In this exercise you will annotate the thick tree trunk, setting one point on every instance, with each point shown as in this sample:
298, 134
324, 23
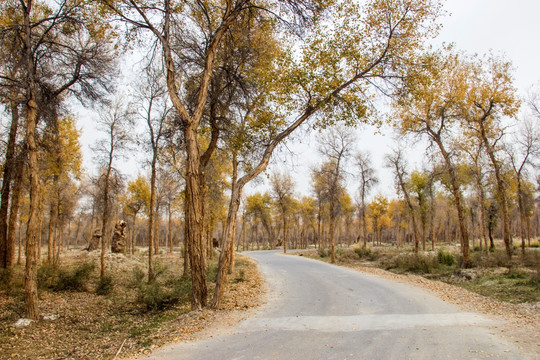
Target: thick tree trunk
30, 277
194, 221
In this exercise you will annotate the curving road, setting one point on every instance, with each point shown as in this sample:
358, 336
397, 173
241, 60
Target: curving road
321, 311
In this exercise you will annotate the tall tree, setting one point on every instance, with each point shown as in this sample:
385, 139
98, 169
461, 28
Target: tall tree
283, 189
490, 97
335, 146
116, 123
367, 180
397, 163
154, 110
526, 148
60, 51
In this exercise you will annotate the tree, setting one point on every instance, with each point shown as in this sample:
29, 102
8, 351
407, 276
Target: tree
377, 210
62, 165
526, 148
80, 68
367, 180
138, 198
116, 123
154, 110
491, 97
335, 145
391, 32
418, 183
396, 162
283, 188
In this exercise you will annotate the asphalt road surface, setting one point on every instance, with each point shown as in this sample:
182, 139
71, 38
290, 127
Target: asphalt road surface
320, 311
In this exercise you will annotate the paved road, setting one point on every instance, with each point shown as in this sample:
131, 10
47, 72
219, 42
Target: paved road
320, 311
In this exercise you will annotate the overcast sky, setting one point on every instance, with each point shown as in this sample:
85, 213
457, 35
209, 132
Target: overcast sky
475, 26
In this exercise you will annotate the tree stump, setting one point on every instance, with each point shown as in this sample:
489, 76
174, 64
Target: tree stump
95, 241
118, 243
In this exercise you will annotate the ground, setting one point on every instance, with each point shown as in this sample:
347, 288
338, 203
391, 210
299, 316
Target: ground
125, 322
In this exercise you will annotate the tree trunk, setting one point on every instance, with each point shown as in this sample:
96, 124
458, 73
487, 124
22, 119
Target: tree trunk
151, 226
7, 248
30, 277
194, 221
221, 279
170, 230
105, 219
501, 191
456, 192
14, 210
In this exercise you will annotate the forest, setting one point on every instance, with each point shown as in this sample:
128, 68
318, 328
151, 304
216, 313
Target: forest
202, 93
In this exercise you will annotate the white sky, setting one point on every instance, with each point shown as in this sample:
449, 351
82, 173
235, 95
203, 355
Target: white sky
475, 26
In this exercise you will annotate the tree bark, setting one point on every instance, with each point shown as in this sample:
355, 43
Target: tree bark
194, 221
151, 226
7, 249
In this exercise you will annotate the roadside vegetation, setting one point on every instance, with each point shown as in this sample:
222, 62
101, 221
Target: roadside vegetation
491, 274
89, 317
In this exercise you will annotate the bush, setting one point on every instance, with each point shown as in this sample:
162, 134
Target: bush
211, 271
363, 252
158, 295
497, 259
241, 276
8, 281
535, 280
445, 258
413, 263
75, 280
47, 276
105, 285
323, 252
515, 274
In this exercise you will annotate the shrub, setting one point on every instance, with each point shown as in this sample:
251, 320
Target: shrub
211, 271
323, 252
241, 276
363, 252
153, 296
535, 280
445, 258
8, 281
515, 274
497, 259
158, 295
75, 280
105, 285
47, 276
413, 263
